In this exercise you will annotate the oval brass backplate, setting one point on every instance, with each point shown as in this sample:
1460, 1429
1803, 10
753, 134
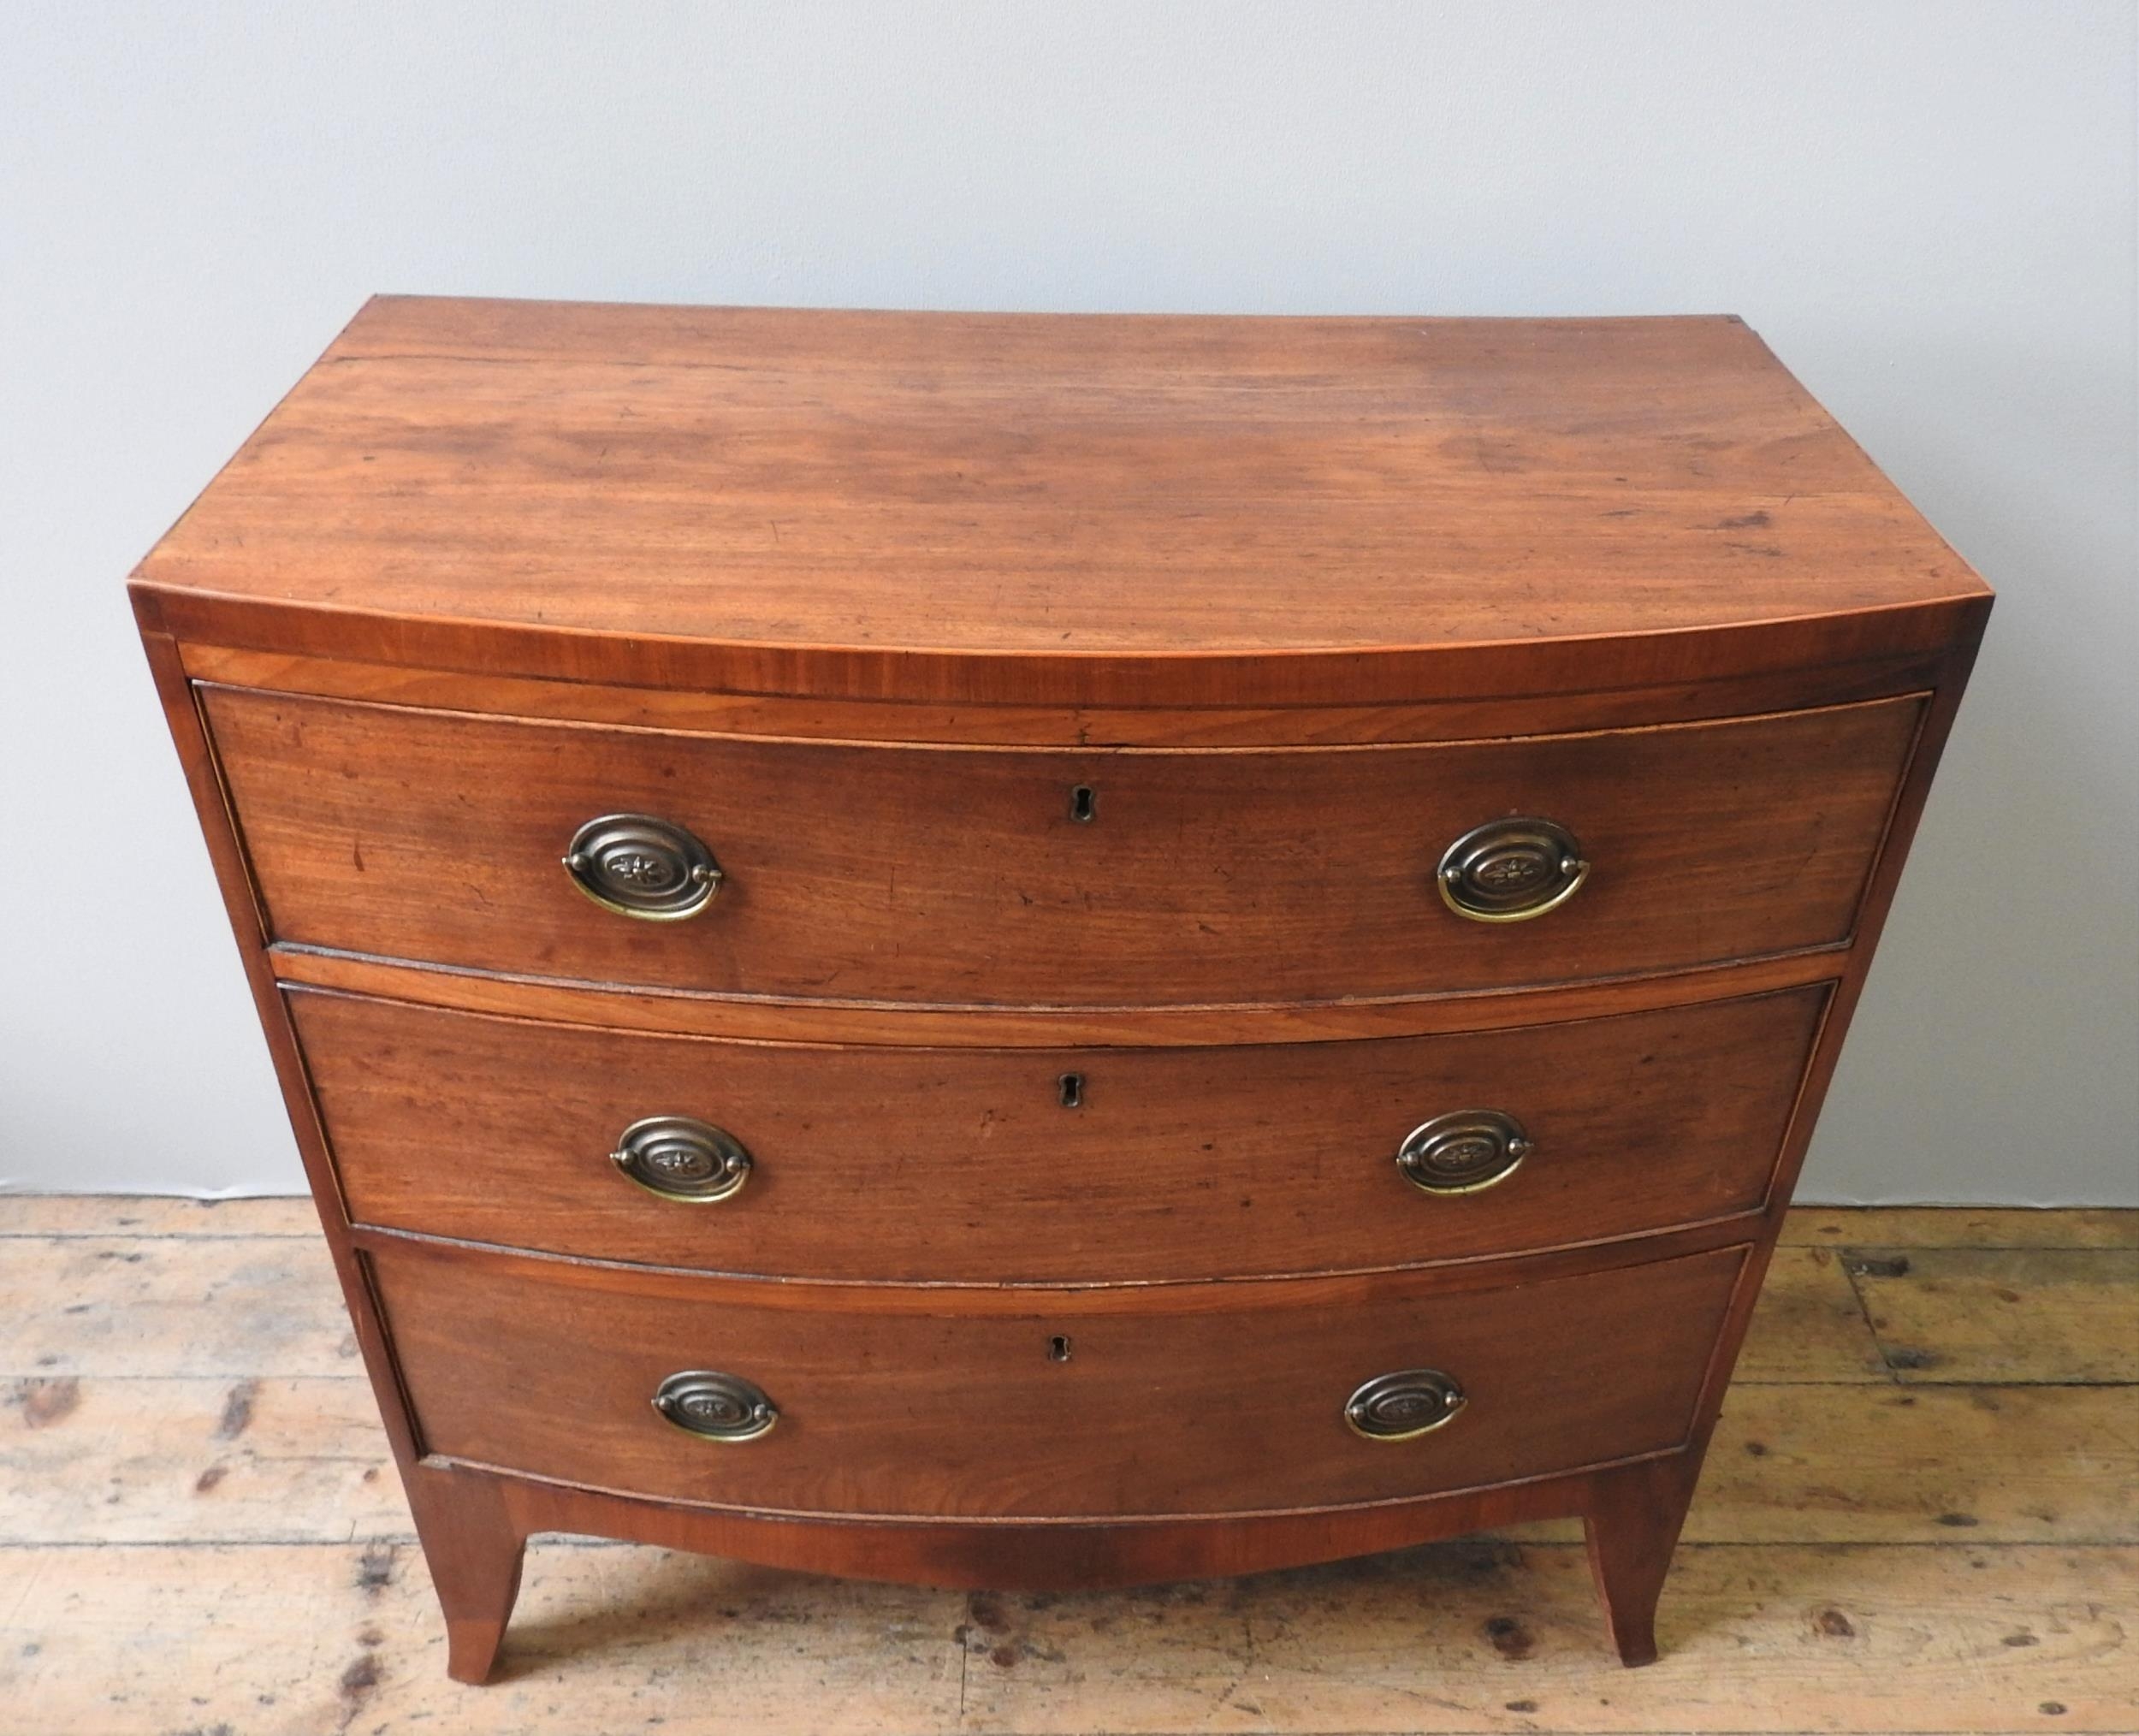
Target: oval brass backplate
715, 1406
1402, 1406
638, 865
1465, 1151
682, 1159
1511, 870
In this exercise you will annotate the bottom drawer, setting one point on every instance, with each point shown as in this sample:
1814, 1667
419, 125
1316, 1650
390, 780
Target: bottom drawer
897, 1400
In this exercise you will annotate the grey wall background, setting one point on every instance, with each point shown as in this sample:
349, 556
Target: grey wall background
1929, 210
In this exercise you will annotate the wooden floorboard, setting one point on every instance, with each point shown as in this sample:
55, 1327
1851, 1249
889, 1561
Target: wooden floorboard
117, 1214
1475, 1636
1958, 1226
140, 1459
1918, 1515
244, 1308
1479, 1637
2002, 1314
1810, 1323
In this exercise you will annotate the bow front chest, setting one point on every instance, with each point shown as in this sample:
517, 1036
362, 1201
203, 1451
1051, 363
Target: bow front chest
1036, 952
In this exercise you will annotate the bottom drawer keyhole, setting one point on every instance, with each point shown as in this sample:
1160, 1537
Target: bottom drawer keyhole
1058, 1347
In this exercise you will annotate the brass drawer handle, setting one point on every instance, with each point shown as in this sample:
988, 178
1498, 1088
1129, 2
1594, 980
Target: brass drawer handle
1511, 870
716, 1406
679, 1159
639, 865
1465, 1151
1400, 1406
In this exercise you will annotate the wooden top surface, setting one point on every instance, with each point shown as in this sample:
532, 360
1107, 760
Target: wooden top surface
979, 505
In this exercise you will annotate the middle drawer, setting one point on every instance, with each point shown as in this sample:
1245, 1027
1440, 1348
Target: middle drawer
1051, 1166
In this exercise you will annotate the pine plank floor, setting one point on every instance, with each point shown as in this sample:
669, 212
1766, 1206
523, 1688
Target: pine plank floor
1920, 1514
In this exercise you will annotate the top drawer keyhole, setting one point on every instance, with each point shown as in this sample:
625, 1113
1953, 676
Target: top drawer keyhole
1083, 804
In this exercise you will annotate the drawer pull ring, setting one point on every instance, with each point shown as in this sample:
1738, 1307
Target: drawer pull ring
1402, 1406
1511, 870
639, 865
1463, 1152
716, 1406
679, 1159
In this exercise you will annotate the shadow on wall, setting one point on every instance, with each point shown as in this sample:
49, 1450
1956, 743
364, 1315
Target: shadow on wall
1993, 1057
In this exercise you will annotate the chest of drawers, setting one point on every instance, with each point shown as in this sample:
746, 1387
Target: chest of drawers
1040, 952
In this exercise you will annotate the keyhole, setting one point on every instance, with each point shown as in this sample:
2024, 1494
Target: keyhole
1082, 804
1058, 1347
1072, 1090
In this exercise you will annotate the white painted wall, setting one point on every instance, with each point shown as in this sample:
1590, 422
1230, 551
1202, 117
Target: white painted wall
1928, 209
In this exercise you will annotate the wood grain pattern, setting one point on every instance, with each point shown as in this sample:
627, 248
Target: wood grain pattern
1960, 1226
791, 716
1460, 1638
89, 1304
1813, 1324
1055, 1555
214, 1308
1171, 1408
1366, 579
226, 855
1475, 1639
867, 873
1848, 1463
146, 1459
270, 1641
1052, 509
158, 1215
1803, 1226
962, 1165
772, 1019
288, 1596
476, 1550
1970, 1314
1631, 1531
150, 1458
1089, 1301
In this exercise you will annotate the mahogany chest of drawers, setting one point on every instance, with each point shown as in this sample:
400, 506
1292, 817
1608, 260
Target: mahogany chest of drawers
1038, 951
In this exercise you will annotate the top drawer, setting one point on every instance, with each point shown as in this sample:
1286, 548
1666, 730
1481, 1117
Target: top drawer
1061, 877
